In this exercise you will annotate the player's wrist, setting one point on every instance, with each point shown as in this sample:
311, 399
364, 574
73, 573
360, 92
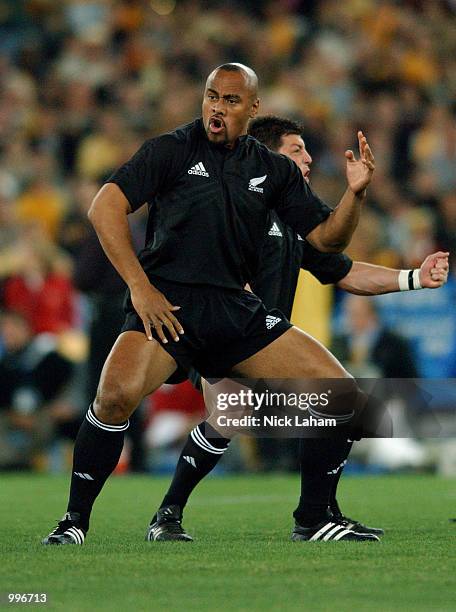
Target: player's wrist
137, 281
360, 193
409, 280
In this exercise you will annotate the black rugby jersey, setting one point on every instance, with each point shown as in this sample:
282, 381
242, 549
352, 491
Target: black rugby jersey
283, 254
209, 205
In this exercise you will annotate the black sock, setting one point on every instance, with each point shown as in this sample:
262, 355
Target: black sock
319, 461
201, 453
346, 446
96, 453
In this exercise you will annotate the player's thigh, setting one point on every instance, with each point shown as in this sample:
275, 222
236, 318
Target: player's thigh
134, 368
294, 354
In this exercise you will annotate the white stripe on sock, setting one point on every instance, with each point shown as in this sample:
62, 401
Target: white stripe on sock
340, 418
94, 421
203, 443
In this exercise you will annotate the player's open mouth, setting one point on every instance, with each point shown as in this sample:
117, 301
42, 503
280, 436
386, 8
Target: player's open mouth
216, 125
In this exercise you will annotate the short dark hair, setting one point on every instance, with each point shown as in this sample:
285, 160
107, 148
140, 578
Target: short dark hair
270, 129
249, 74
230, 67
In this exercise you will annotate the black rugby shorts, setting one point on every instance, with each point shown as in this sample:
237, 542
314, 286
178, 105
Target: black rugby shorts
222, 327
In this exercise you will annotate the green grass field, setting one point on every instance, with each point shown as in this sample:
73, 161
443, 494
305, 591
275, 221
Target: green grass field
242, 558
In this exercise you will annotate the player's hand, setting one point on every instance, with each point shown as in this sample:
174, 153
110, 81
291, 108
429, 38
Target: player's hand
434, 270
359, 172
155, 311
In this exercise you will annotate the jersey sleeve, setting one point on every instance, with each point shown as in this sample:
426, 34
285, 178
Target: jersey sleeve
326, 267
147, 173
298, 206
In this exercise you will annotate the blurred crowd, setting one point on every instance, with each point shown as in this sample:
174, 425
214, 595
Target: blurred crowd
84, 82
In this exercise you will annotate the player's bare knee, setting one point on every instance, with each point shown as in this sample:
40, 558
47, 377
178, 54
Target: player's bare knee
115, 403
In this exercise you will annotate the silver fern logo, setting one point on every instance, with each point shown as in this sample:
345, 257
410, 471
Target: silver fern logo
254, 182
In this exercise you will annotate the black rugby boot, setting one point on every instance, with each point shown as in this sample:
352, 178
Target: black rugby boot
166, 526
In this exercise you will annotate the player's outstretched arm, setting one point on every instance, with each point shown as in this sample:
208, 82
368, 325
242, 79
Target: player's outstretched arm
108, 214
334, 234
368, 279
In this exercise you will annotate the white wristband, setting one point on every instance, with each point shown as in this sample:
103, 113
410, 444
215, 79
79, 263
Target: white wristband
403, 280
409, 280
416, 279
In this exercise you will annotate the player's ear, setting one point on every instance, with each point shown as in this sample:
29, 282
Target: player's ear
254, 108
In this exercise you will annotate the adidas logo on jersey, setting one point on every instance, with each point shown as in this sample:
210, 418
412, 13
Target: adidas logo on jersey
198, 169
190, 460
271, 321
254, 182
275, 230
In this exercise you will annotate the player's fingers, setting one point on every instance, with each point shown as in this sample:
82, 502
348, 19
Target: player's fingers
158, 325
169, 326
363, 146
171, 307
176, 323
439, 278
350, 155
368, 153
147, 325
172, 318
442, 264
362, 142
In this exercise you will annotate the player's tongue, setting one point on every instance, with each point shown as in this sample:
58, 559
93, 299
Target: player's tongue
216, 125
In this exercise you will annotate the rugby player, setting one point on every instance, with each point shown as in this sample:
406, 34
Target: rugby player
212, 187
321, 460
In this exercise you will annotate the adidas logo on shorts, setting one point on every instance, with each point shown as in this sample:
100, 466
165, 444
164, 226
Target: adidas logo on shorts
275, 230
198, 169
271, 321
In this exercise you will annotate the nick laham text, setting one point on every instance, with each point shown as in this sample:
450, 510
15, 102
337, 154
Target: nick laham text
275, 421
